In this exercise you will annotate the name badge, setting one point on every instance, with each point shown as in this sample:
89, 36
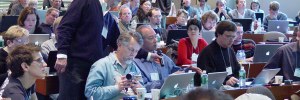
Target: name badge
297, 72
154, 76
229, 70
194, 57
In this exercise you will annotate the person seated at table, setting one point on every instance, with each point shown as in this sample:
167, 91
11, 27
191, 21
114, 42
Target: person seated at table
141, 15
49, 45
209, 21
182, 16
222, 10
192, 12
218, 56
202, 8
190, 47
206, 94
17, 7
47, 26
239, 43
287, 58
33, 3
295, 38
156, 71
255, 6
58, 4
241, 12
26, 65
29, 20
14, 36
274, 14
125, 18
106, 79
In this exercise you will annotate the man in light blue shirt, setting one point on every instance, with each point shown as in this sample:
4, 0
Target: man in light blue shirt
106, 80
154, 72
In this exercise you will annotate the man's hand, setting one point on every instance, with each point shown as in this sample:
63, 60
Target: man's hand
231, 81
60, 65
135, 84
122, 83
154, 56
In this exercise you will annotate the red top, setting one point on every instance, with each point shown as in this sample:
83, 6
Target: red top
186, 49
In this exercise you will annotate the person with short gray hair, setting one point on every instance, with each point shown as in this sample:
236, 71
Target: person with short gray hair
107, 79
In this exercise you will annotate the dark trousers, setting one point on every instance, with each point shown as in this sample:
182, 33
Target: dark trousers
72, 81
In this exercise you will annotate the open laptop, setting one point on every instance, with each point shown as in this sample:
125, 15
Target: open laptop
51, 61
175, 82
38, 38
259, 16
216, 79
208, 36
176, 35
278, 25
246, 22
42, 15
263, 52
8, 21
265, 76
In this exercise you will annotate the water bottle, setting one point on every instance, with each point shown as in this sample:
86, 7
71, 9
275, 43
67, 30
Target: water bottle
242, 77
241, 56
191, 84
204, 80
1, 42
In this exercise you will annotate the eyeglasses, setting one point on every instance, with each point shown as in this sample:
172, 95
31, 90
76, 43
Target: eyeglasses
21, 40
39, 60
132, 50
230, 36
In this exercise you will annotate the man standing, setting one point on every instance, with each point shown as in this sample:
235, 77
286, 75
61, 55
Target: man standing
51, 15
79, 46
218, 56
106, 79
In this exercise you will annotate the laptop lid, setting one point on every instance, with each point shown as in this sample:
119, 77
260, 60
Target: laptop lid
259, 15
265, 76
176, 35
278, 25
216, 79
8, 21
38, 38
246, 22
42, 15
263, 52
51, 61
208, 36
175, 83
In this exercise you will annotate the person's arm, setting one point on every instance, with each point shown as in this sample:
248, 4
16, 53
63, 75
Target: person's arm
95, 81
182, 53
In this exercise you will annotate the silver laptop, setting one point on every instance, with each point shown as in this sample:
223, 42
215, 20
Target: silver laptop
216, 79
278, 25
42, 15
38, 38
265, 76
208, 36
263, 52
175, 83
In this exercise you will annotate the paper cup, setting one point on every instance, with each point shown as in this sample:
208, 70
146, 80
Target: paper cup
278, 79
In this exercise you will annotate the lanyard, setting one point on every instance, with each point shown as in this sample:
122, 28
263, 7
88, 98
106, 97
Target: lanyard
224, 57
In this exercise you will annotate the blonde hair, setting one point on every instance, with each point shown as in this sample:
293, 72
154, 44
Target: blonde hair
14, 32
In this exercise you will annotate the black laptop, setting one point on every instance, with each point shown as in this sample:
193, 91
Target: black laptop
8, 21
176, 35
246, 22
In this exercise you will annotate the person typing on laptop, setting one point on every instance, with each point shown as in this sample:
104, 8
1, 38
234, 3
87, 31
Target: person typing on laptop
154, 72
218, 56
274, 14
287, 58
209, 21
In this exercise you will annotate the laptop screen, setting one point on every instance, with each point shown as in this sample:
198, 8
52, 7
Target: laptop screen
263, 52
246, 22
176, 35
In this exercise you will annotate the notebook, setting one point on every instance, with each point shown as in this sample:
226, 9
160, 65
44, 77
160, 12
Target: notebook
208, 36
176, 35
278, 25
216, 79
38, 38
246, 23
175, 82
265, 76
263, 52
8, 21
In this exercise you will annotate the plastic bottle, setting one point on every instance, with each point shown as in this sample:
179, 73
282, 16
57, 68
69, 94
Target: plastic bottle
241, 56
204, 80
242, 77
1, 42
191, 84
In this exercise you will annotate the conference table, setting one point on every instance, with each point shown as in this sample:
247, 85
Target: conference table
259, 37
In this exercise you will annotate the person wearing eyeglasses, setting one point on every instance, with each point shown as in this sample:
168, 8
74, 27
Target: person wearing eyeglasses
154, 15
181, 20
26, 65
14, 36
218, 56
